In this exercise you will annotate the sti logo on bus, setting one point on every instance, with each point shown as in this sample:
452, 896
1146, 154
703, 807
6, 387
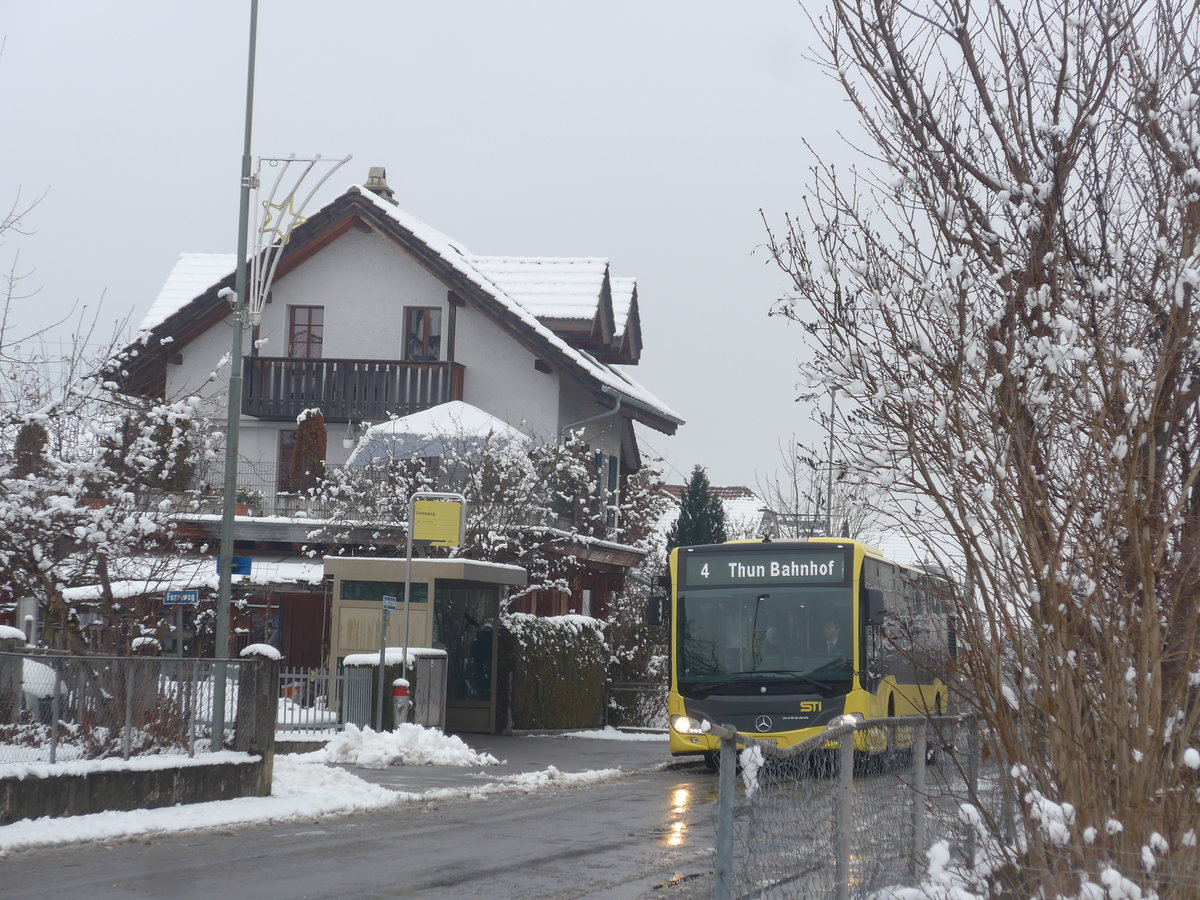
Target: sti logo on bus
810, 706
726, 569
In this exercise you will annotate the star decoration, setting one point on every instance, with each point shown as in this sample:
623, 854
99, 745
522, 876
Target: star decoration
286, 213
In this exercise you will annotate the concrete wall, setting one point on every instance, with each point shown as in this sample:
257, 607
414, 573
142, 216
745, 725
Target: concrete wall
75, 795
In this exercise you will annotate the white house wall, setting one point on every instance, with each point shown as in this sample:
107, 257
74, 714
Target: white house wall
202, 357
500, 377
602, 434
363, 282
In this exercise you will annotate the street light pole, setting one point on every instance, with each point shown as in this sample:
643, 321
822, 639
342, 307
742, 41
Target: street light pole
225, 557
829, 486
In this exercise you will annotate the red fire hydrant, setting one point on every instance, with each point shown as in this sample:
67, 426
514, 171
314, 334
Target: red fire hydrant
401, 702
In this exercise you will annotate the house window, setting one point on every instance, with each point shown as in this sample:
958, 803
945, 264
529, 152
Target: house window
306, 329
283, 471
422, 333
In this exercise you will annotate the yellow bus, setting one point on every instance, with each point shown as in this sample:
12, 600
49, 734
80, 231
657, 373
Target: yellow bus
781, 638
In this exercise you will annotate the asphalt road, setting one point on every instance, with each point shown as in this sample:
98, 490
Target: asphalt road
647, 834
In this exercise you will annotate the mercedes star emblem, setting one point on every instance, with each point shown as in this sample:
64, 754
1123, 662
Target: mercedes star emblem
763, 723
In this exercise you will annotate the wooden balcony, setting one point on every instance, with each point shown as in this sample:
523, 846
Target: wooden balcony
280, 388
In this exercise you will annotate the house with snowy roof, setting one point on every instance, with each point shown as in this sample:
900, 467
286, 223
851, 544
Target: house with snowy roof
374, 317
373, 314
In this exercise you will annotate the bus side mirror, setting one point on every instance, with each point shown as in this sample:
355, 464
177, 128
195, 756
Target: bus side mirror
656, 611
873, 607
663, 581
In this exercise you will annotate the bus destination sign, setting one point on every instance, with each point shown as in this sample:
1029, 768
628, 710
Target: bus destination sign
750, 568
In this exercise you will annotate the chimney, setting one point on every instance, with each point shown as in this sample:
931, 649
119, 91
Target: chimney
377, 183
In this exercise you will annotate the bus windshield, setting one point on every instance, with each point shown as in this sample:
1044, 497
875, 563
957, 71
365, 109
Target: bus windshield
797, 632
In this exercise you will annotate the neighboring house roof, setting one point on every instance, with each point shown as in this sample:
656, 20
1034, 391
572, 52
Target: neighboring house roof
185, 572
558, 284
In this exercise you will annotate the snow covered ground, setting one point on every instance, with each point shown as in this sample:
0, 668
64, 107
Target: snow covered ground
307, 785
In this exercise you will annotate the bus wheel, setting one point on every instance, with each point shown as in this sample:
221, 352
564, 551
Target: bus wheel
712, 761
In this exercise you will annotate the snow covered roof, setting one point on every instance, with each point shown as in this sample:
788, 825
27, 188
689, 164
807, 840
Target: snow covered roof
192, 275
426, 433
452, 254
623, 290
550, 288
449, 418
186, 573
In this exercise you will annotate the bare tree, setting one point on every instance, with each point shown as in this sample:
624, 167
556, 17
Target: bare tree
809, 496
89, 479
1007, 293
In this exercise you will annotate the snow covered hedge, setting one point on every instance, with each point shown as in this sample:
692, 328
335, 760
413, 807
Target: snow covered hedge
553, 671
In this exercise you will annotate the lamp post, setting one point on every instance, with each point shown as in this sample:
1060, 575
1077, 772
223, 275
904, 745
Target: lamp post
225, 557
829, 483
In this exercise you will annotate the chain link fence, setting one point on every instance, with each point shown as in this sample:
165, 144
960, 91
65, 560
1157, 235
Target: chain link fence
896, 809
636, 704
852, 812
57, 707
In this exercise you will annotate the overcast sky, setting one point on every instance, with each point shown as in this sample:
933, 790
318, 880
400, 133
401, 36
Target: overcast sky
650, 133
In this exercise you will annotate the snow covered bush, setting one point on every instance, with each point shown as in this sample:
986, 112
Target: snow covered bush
555, 668
528, 503
102, 494
1004, 299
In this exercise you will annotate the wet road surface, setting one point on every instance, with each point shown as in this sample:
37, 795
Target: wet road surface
647, 834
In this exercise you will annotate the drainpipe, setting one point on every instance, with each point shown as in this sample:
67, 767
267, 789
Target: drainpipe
566, 430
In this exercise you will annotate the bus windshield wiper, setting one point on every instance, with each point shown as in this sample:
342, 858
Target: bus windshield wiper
742, 679
821, 686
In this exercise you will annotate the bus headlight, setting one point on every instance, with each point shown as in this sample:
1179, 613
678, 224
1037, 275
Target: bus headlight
688, 725
852, 719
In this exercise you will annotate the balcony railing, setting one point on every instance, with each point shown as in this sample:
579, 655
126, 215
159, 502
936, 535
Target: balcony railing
280, 388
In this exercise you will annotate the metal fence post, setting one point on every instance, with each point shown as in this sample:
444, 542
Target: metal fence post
191, 708
127, 739
726, 788
844, 811
973, 762
920, 740
55, 713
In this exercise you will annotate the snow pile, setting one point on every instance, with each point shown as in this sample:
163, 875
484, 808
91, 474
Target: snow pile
527, 783
265, 650
8, 633
408, 745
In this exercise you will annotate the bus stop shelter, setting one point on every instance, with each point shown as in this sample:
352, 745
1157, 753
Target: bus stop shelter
454, 606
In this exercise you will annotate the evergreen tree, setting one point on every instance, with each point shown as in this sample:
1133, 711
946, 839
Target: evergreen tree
701, 515
30, 450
